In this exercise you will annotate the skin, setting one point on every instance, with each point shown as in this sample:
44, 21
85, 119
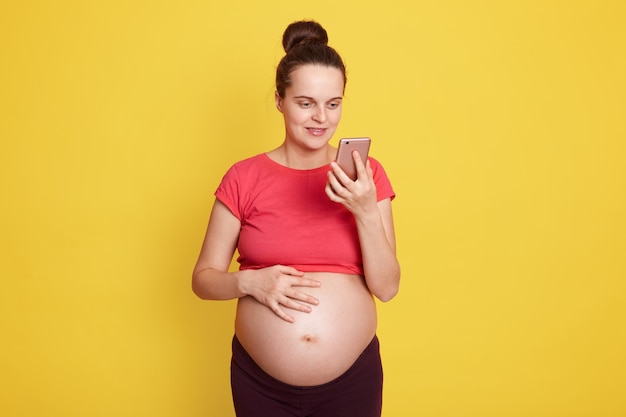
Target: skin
310, 316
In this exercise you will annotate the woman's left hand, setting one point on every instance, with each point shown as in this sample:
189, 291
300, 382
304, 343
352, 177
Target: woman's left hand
358, 196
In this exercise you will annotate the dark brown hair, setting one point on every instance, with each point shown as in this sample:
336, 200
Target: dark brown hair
305, 42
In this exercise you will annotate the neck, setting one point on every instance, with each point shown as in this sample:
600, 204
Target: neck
298, 158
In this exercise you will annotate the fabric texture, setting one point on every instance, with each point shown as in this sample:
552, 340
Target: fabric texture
287, 218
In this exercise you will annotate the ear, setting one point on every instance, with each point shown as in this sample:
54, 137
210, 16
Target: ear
279, 101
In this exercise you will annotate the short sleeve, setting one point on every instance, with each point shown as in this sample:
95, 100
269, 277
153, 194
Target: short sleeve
383, 185
229, 191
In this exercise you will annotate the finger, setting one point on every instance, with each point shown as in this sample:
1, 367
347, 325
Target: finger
340, 175
306, 282
337, 186
287, 270
336, 192
329, 192
303, 297
294, 305
280, 313
361, 172
368, 169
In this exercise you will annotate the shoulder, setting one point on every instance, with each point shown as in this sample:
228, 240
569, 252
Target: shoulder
384, 189
248, 167
374, 162
253, 162
239, 181
377, 167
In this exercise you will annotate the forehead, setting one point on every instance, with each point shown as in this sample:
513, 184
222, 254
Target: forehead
316, 81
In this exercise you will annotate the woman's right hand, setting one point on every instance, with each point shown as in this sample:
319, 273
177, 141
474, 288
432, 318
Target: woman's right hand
277, 287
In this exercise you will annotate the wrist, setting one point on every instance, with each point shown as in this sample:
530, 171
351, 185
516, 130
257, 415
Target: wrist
241, 283
367, 216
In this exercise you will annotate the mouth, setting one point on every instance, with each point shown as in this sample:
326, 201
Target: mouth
316, 131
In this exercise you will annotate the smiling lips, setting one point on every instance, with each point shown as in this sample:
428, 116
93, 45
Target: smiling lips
316, 131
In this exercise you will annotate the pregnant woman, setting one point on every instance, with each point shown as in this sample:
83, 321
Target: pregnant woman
314, 248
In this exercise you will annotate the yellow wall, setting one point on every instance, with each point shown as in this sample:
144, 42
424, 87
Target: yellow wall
501, 124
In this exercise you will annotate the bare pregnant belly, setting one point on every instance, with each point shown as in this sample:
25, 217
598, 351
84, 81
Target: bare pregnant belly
320, 345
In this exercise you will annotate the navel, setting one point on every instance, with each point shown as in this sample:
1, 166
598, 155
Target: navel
309, 338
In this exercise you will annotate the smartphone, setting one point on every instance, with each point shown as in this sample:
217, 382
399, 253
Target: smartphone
344, 154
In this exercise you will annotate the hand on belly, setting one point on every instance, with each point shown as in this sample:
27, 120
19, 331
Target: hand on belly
317, 346
280, 288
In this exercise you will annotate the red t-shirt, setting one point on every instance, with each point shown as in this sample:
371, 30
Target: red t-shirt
287, 218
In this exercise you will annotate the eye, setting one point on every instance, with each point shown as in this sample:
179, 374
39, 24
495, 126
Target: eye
333, 104
305, 104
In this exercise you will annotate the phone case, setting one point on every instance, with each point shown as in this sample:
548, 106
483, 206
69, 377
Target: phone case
344, 154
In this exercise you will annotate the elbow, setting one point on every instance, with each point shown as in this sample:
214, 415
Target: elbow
198, 289
391, 289
388, 293
195, 289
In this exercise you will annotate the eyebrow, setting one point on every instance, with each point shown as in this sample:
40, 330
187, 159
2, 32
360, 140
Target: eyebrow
312, 99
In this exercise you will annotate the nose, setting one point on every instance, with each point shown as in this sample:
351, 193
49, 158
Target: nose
320, 114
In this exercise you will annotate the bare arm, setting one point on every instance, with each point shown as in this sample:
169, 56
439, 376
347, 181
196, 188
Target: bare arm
211, 279
375, 227
276, 286
378, 246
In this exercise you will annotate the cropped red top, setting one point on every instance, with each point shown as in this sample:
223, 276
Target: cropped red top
287, 218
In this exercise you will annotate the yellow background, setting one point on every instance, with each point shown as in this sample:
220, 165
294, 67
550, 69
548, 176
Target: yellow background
500, 123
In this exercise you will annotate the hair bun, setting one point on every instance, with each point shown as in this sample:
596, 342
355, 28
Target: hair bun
303, 31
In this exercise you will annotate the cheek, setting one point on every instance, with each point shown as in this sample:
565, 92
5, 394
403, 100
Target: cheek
298, 117
289, 113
